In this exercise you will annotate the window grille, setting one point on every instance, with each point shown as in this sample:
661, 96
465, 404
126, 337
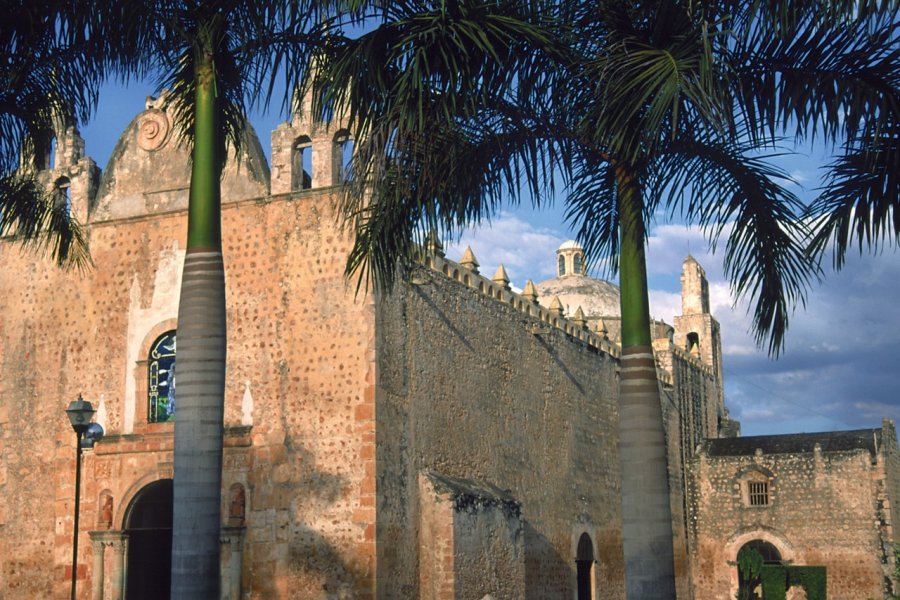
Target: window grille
759, 493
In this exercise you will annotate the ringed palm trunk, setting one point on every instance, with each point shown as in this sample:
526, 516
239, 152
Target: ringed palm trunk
200, 363
646, 512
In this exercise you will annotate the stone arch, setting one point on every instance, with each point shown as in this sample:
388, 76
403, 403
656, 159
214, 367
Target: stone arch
692, 343
342, 155
301, 163
154, 332
62, 189
747, 534
766, 534
754, 468
148, 524
164, 472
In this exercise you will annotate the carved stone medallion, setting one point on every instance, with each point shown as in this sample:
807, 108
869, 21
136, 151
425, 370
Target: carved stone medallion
153, 130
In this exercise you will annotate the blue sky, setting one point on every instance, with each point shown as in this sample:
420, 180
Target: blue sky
837, 371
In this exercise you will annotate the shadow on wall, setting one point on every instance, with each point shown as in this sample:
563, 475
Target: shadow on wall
547, 574
313, 558
298, 505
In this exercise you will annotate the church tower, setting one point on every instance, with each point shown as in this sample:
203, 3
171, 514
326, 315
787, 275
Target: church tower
696, 331
70, 176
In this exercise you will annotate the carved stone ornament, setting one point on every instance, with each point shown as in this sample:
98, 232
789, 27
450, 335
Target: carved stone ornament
153, 130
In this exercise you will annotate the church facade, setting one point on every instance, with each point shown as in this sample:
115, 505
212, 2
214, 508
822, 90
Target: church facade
454, 438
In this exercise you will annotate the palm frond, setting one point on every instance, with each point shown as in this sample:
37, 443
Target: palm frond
729, 192
444, 180
817, 78
41, 223
591, 206
433, 99
655, 72
860, 202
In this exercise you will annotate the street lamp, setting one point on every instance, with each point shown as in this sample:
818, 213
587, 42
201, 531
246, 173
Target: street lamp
86, 435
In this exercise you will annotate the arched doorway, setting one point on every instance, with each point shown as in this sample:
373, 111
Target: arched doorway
584, 563
764, 553
148, 523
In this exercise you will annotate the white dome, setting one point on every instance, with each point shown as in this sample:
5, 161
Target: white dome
596, 297
570, 245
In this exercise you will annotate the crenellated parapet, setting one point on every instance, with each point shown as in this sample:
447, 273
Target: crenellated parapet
497, 288
692, 360
576, 326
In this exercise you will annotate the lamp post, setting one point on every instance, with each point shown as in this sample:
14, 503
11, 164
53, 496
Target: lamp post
86, 435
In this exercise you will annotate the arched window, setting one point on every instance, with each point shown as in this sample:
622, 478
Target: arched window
577, 266
343, 156
61, 194
693, 343
301, 164
584, 563
161, 379
562, 266
50, 161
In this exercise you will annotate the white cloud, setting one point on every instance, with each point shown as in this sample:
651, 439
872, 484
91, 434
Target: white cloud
837, 370
526, 251
665, 305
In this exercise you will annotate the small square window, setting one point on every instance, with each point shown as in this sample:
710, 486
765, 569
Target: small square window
759, 493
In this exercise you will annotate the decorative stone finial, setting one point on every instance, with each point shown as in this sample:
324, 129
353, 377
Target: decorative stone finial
501, 278
433, 244
530, 293
602, 330
469, 261
556, 307
579, 319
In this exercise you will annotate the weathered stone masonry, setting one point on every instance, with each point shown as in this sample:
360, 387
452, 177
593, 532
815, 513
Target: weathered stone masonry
452, 439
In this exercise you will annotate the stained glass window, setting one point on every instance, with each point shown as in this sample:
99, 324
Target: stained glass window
161, 384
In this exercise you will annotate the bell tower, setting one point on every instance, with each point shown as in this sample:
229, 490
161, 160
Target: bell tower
696, 331
69, 176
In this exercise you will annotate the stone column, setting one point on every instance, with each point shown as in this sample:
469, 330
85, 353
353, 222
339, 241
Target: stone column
232, 540
97, 570
118, 542
118, 575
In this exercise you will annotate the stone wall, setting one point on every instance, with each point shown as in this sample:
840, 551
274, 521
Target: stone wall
299, 397
336, 403
821, 512
469, 388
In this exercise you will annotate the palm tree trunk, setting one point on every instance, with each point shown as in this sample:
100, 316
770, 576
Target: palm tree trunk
200, 363
646, 513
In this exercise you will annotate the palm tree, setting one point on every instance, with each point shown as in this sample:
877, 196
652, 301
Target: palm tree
44, 77
215, 57
460, 107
